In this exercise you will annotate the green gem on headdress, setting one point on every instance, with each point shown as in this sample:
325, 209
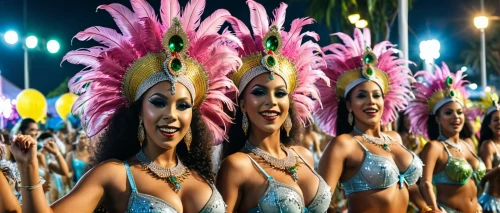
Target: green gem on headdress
175, 43
175, 64
449, 81
452, 93
272, 43
369, 58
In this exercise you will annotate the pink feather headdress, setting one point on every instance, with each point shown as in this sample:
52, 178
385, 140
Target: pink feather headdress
270, 49
440, 87
181, 48
354, 62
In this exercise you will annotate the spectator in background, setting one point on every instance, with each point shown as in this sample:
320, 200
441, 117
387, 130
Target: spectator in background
9, 177
51, 159
78, 159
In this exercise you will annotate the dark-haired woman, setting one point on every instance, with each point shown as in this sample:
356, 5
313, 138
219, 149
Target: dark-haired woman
376, 171
450, 162
78, 158
489, 151
54, 165
157, 93
263, 171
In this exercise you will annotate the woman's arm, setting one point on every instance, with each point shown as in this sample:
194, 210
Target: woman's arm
69, 159
231, 179
8, 202
429, 155
331, 164
60, 167
85, 197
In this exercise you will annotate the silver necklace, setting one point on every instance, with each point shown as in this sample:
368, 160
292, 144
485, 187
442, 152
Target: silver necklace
384, 141
289, 164
175, 175
453, 145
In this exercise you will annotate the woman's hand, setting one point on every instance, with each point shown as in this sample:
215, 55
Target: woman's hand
51, 147
24, 149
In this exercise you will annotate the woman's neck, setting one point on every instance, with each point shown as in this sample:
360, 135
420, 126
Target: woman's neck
451, 138
164, 157
369, 130
269, 142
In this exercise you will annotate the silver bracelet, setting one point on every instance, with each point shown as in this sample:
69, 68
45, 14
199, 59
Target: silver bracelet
31, 188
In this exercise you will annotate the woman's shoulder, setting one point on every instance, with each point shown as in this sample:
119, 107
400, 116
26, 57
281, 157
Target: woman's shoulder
238, 162
108, 168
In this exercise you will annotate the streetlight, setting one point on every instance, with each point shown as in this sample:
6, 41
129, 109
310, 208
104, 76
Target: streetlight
481, 22
53, 46
353, 18
11, 37
31, 42
361, 23
429, 51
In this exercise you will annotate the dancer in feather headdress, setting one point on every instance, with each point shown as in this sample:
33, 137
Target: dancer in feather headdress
438, 112
155, 95
369, 87
489, 151
277, 98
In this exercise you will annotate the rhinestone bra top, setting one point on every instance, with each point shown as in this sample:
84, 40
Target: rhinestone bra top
280, 197
139, 202
458, 171
378, 172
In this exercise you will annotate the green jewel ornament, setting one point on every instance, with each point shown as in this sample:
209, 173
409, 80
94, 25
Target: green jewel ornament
270, 61
175, 64
369, 59
293, 172
175, 181
369, 71
449, 81
272, 43
452, 93
386, 147
175, 43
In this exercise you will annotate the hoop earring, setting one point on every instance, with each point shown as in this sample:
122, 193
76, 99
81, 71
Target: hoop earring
287, 125
350, 118
140, 131
244, 123
188, 138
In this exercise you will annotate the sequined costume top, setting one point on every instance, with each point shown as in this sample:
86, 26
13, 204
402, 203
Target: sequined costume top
458, 171
78, 167
378, 172
496, 157
280, 197
139, 202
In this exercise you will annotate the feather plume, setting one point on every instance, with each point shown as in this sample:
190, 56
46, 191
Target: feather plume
100, 83
347, 56
418, 110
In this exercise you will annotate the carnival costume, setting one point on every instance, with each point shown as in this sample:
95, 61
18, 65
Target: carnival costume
179, 49
276, 52
490, 104
441, 88
349, 65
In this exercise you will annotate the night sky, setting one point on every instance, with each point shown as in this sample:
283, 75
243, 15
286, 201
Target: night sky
449, 21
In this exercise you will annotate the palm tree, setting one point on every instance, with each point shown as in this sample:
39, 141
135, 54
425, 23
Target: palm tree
380, 14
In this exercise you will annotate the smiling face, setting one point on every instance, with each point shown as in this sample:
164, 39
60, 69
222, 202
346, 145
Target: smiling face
266, 103
32, 130
366, 102
166, 117
451, 118
495, 123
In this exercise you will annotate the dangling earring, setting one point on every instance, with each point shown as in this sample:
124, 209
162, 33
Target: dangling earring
244, 123
140, 131
287, 125
350, 118
188, 138
440, 133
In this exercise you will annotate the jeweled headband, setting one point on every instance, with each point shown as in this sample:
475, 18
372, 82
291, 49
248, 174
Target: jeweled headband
441, 97
269, 62
368, 72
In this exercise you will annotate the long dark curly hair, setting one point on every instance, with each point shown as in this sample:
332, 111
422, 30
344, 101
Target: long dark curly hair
486, 132
237, 137
119, 141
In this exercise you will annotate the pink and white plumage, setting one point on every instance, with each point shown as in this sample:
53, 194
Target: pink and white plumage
305, 56
418, 110
100, 83
347, 56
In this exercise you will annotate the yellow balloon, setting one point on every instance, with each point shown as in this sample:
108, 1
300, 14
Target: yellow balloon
64, 105
31, 104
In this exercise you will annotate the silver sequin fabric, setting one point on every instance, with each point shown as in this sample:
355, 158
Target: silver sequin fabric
143, 203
